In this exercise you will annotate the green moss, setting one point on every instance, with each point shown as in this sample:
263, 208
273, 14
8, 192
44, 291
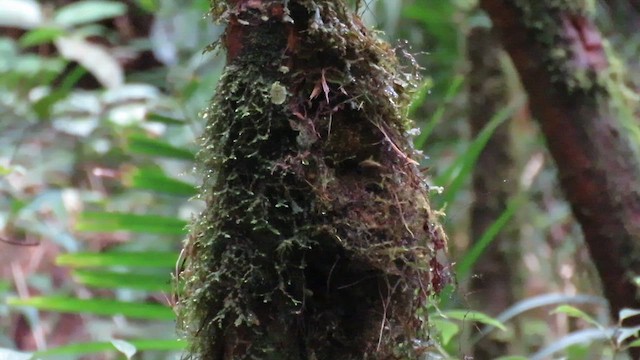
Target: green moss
317, 241
544, 19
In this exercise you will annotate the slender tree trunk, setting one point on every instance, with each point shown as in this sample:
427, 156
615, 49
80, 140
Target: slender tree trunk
630, 5
317, 241
491, 286
625, 14
559, 55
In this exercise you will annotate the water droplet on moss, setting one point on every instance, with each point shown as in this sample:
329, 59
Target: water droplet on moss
278, 93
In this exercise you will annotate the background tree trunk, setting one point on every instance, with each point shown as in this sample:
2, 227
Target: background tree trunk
318, 241
492, 284
560, 58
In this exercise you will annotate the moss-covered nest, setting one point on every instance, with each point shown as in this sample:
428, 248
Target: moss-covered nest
317, 241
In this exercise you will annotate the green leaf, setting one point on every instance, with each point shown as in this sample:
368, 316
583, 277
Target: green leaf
576, 313
4, 171
446, 328
579, 351
538, 301
125, 347
149, 259
88, 11
103, 307
475, 316
155, 180
164, 119
159, 344
97, 347
4, 286
22, 14
512, 358
147, 146
437, 20
96, 58
43, 106
627, 313
586, 336
40, 36
635, 343
420, 96
119, 280
624, 333
110, 222
148, 5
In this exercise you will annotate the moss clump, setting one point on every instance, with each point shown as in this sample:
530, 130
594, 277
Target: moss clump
317, 241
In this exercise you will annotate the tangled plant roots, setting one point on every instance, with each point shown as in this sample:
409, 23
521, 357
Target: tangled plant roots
317, 241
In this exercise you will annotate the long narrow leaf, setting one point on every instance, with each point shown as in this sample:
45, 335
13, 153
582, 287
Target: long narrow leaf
586, 336
118, 280
110, 222
445, 328
165, 119
97, 307
96, 58
157, 181
475, 316
43, 106
40, 36
103, 346
536, 302
627, 313
82, 12
129, 259
144, 145
576, 313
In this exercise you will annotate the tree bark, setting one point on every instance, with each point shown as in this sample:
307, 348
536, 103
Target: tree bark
492, 283
317, 241
625, 15
560, 58
633, 5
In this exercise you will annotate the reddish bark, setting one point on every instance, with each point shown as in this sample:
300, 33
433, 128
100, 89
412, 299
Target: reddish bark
598, 169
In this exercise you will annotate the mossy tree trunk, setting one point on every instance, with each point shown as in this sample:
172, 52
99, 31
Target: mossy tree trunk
318, 241
561, 60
